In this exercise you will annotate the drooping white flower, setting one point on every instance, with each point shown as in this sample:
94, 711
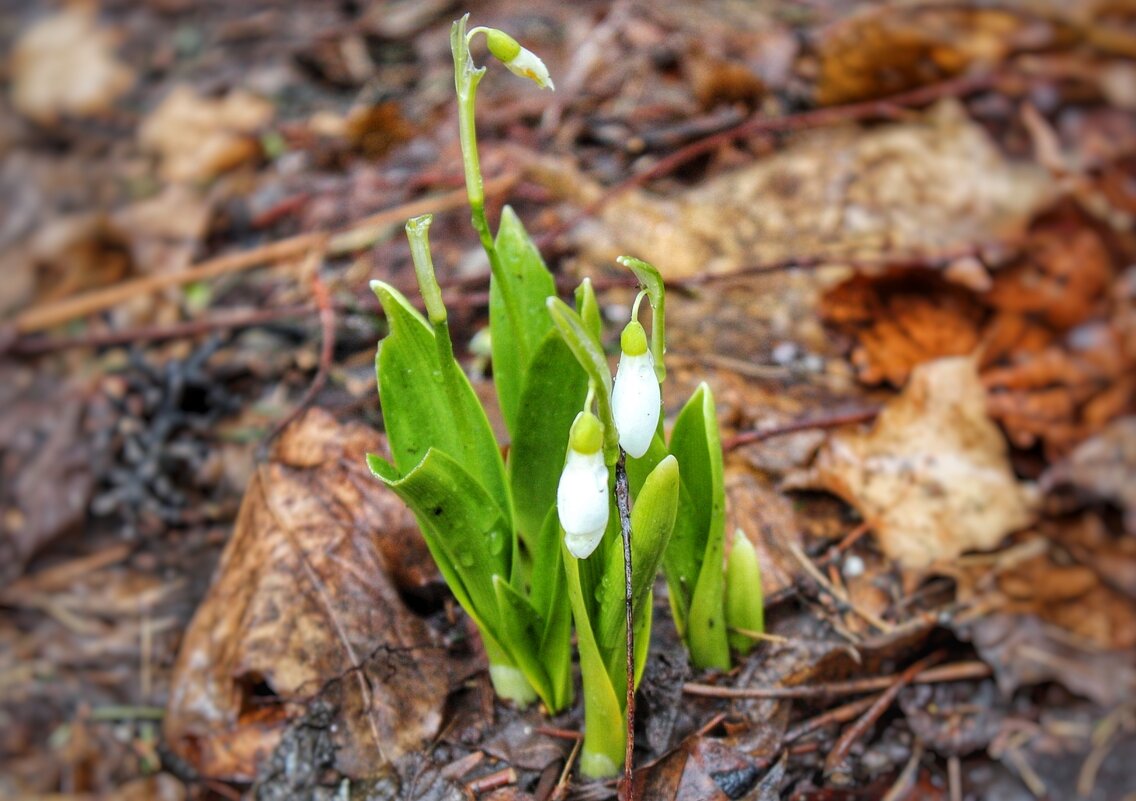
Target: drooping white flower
519, 60
635, 400
582, 495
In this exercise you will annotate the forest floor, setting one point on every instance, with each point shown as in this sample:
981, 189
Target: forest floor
900, 245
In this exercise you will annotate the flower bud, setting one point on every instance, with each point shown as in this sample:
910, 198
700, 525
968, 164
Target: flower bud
582, 495
519, 60
635, 400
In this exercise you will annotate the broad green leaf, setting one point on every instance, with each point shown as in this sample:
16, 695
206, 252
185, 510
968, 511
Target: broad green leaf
521, 628
745, 606
696, 444
554, 391
518, 317
549, 596
652, 522
590, 356
604, 721
462, 526
427, 400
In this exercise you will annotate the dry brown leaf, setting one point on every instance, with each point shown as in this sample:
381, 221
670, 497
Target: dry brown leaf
902, 319
1102, 468
887, 49
1061, 277
165, 230
302, 607
47, 450
932, 474
928, 188
1035, 616
199, 138
65, 65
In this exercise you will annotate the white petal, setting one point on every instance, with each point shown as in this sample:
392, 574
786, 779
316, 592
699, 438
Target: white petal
635, 402
528, 65
582, 502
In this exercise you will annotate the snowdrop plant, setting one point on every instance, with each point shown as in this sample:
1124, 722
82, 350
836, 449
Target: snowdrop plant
590, 501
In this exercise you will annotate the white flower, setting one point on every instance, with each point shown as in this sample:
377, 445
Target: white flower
519, 60
635, 400
582, 495
527, 64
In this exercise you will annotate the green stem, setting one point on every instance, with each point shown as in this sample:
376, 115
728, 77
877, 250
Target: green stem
466, 79
508, 681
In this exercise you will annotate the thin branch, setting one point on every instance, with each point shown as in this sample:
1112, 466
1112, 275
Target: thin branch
623, 502
358, 235
960, 671
793, 426
854, 732
760, 124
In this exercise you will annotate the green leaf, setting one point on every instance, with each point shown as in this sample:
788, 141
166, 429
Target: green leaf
589, 309
522, 628
554, 390
463, 528
696, 444
652, 281
652, 522
604, 721
518, 317
549, 597
745, 606
687, 539
427, 400
590, 356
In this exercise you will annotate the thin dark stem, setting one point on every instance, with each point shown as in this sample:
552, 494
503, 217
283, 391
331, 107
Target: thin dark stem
623, 503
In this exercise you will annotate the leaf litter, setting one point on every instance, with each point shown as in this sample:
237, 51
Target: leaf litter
958, 261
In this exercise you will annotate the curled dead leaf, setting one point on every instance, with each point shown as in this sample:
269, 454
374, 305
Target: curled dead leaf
302, 608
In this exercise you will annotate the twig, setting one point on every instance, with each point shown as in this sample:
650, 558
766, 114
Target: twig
852, 112
960, 671
49, 315
836, 593
327, 350
623, 502
903, 783
840, 714
954, 777
225, 321
854, 732
793, 426
500, 778
560, 734
39, 318
561, 788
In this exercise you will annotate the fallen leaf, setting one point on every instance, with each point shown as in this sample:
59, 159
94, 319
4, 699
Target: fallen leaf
164, 231
65, 65
302, 607
901, 319
924, 189
884, 50
1062, 274
1036, 615
47, 453
1024, 651
198, 138
1102, 468
932, 475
